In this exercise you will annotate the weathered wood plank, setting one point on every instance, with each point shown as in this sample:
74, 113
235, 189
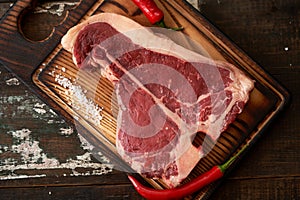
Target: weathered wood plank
264, 188
113, 178
17, 56
267, 30
28, 150
269, 33
108, 192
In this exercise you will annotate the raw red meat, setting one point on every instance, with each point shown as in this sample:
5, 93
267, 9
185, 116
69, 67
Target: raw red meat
166, 93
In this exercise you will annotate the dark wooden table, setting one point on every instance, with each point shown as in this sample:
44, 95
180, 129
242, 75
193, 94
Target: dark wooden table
31, 133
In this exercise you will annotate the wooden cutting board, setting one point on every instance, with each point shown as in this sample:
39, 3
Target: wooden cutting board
43, 66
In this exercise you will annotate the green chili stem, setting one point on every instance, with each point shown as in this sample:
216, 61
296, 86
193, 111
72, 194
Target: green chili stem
162, 24
228, 163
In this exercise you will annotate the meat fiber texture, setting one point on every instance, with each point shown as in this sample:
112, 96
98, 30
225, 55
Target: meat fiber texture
166, 93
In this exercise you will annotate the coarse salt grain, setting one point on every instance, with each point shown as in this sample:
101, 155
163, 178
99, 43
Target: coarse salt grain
79, 100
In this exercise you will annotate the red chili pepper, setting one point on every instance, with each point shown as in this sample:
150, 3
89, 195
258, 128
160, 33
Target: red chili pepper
191, 187
153, 13
178, 193
150, 10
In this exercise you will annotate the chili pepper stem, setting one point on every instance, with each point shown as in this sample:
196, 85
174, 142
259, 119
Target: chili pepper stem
162, 24
228, 163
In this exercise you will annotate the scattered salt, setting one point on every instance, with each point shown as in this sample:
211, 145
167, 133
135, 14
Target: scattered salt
63, 81
51, 73
79, 100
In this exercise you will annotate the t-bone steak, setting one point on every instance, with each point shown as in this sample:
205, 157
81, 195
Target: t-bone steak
166, 93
